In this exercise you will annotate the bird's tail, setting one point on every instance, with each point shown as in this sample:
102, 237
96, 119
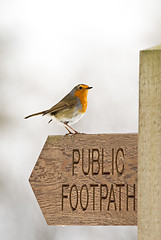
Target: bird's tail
35, 114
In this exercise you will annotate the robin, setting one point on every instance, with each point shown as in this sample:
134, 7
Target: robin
70, 109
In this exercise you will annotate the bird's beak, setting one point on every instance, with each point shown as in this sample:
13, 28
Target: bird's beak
89, 87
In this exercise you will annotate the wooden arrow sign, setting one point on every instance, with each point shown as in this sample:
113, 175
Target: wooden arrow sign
87, 179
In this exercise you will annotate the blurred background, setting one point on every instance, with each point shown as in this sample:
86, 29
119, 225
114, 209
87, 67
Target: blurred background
46, 48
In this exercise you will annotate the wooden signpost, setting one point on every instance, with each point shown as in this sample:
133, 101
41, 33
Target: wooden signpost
92, 179
87, 179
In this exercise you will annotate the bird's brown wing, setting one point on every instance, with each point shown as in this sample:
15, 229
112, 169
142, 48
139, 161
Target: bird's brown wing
67, 102
59, 106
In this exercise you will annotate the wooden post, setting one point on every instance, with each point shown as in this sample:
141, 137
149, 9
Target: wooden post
149, 146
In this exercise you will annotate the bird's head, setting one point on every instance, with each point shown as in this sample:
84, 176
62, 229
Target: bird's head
81, 90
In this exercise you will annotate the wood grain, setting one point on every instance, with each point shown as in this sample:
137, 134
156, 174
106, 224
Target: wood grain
87, 179
149, 148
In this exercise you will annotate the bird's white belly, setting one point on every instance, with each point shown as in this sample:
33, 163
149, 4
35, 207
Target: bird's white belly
69, 121
72, 120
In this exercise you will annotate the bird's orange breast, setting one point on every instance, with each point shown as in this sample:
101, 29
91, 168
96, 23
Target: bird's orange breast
82, 95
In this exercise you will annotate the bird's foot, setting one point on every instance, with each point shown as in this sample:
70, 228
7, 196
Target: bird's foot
75, 132
70, 133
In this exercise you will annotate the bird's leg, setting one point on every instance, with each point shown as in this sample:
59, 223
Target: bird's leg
72, 128
50, 121
68, 131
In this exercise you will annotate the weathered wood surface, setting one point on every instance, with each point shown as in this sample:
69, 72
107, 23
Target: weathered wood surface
149, 148
87, 179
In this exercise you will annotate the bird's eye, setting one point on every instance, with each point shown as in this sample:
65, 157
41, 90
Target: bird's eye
80, 87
